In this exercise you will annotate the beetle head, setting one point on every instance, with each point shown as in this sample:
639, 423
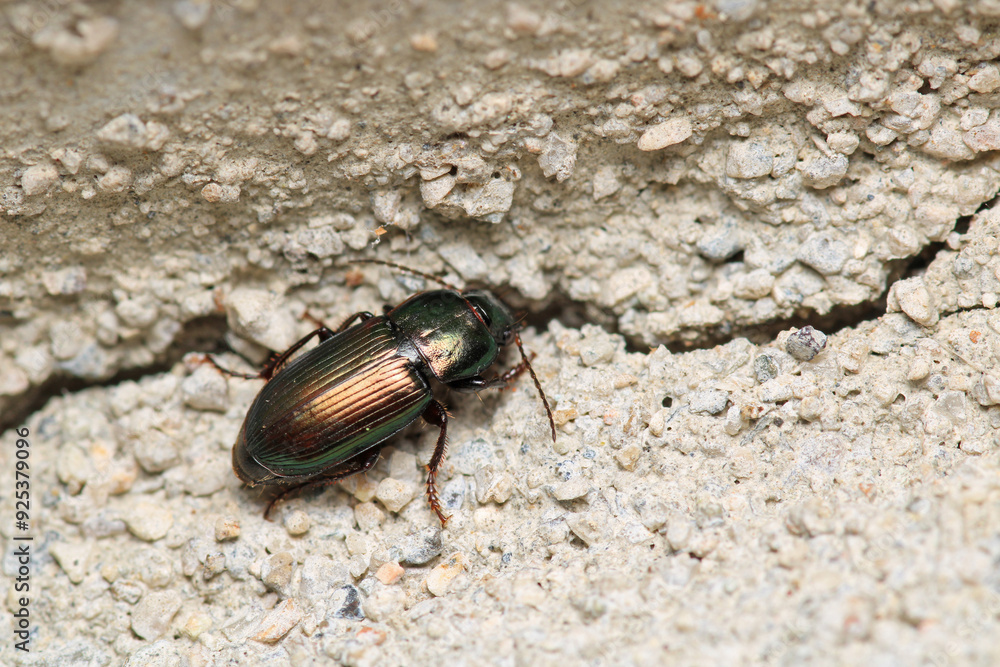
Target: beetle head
494, 313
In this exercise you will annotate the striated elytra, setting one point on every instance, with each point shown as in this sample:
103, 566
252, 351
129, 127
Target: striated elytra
326, 414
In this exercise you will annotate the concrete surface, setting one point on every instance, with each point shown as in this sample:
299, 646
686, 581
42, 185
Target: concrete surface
664, 176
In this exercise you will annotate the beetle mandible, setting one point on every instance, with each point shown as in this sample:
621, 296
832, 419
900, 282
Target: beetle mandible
326, 414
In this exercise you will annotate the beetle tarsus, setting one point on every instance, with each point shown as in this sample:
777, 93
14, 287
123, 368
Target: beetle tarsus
276, 362
226, 371
436, 414
362, 316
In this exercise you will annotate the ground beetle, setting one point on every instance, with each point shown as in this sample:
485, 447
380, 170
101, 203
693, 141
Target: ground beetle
326, 414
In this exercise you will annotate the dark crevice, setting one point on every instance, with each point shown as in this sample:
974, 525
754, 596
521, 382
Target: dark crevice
206, 334
203, 334
840, 317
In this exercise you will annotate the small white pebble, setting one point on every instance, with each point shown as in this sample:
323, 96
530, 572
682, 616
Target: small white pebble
38, 179
667, 133
73, 558
914, 299
368, 516
152, 616
394, 494
297, 523
149, 521
572, 489
278, 622
424, 42
442, 576
216, 193
227, 528
206, 389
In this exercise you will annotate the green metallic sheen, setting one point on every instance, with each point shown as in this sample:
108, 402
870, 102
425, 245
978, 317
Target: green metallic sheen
449, 335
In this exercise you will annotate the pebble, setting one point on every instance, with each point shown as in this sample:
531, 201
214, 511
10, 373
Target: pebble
823, 253
986, 79
558, 157
735, 420
73, 558
493, 484
424, 42
203, 476
346, 603
985, 137
778, 389
217, 193
39, 179
821, 171
710, 402
126, 130
720, 246
258, 315
403, 466
192, 14
297, 523
589, 527
278, 622
913, 298
196, 625
754, 285
629, 456
71, 280
667, 133
389, 573
156, 452
764, 368
149, 521
576, 488
206, 389
384, 604
368, 516
418, 548
605, 183
749, 159
79, 44
443, 575
805, 343
276, 571
596, 350
116, 179
464, 259
152, 615
394, 494
126, 591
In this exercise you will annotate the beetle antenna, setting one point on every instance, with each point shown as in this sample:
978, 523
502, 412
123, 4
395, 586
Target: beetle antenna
538, 385
406, 269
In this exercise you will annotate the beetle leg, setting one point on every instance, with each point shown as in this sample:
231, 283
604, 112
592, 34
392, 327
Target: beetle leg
278, 360
363, 461
516, 372
435, 414
362, 316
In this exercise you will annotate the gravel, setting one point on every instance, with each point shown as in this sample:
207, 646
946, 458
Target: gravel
681, 174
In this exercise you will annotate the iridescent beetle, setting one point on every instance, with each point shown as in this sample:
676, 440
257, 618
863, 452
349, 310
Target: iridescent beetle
326, 414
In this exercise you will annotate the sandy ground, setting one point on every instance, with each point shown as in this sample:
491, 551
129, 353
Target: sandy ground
675, 192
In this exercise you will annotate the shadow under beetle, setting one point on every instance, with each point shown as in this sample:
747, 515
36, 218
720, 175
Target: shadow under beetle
326, 414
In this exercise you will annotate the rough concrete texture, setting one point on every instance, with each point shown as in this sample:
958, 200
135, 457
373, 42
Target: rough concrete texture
676, 172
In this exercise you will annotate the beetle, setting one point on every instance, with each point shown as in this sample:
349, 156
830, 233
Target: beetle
326, 414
